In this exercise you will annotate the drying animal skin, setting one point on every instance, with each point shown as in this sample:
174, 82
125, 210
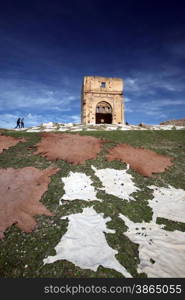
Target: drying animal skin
117, 182
8, 141
168, 202
161, 252
78, 186
143, 161
20, 194
73, 148
84, 244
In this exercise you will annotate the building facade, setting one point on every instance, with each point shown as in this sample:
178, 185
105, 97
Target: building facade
102, 100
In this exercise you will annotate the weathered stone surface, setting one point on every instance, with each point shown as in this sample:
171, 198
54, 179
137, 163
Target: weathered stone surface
180, 122
73, 148
8, 141
144, 161
102, 100
20, 193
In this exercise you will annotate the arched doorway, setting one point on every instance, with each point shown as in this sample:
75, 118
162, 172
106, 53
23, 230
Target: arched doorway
103, 113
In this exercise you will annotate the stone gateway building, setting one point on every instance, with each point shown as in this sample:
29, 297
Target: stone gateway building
102, 100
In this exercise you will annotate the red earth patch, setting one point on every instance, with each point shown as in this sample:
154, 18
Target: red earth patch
144, 161
20, 192
73, 148
8, 141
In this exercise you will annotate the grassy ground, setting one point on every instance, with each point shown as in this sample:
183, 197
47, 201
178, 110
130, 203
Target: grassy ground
22, 254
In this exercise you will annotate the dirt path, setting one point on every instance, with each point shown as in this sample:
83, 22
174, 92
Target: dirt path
73, 148
144, 161
20, 193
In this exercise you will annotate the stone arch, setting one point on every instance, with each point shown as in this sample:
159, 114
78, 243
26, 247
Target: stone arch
103, 113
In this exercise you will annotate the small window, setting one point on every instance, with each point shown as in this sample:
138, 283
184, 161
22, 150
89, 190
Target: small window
103, 84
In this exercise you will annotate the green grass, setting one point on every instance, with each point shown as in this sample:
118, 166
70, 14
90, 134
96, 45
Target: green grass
22, 254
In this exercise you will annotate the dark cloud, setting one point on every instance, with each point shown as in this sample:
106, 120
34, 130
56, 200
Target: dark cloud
48, 46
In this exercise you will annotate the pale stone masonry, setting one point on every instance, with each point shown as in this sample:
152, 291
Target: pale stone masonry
102, 100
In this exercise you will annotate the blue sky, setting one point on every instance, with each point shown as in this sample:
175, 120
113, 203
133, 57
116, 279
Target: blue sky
48, 46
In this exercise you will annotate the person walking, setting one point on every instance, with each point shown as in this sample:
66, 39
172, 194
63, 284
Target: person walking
18, 123
22, 123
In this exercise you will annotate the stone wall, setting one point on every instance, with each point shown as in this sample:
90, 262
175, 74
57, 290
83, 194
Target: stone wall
97, 89
180, 122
